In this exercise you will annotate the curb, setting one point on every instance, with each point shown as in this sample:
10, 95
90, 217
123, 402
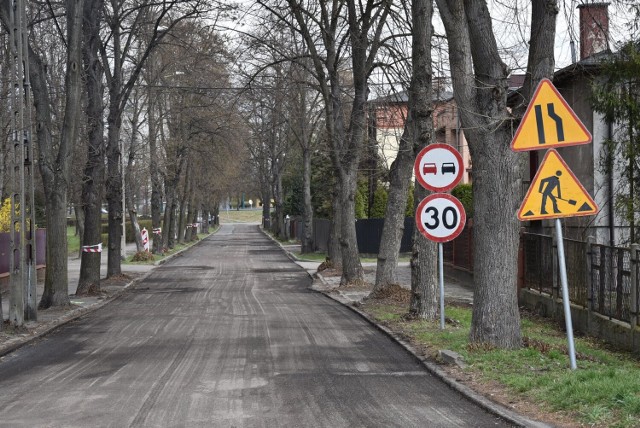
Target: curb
494, 408
485, 403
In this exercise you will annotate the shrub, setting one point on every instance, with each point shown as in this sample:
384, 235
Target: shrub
143, 256
410, 210
379, 207
5, 215
464, 193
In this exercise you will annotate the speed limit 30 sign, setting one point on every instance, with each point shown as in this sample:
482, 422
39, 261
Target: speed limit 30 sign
440, 217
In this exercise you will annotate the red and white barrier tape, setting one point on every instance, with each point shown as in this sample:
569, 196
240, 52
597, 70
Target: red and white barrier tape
97, 248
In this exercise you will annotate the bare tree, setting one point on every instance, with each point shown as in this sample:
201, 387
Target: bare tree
480, 90
54, 156
331, 32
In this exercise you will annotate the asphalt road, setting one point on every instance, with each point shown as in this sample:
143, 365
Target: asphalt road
227, 335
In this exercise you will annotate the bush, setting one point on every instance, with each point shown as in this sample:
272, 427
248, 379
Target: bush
410, 210
5, 215
464, 193
379, 207
143, 256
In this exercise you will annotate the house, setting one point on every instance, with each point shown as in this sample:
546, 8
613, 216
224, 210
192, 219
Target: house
389, 116
587, 162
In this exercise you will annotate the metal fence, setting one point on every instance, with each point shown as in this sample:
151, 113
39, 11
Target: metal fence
601, 278
611, 281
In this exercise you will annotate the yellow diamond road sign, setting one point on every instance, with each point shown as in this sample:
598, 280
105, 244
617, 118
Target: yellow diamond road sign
555, 192
549, 122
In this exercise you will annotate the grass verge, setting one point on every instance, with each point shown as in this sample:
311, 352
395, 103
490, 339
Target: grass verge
536, 379
320, 257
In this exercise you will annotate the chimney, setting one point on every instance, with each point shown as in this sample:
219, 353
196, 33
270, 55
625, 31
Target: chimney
594, 28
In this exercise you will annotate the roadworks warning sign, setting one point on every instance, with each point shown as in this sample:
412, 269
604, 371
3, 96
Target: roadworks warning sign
555, 192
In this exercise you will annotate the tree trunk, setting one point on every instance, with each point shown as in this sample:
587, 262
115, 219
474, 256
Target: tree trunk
278, 197
307, 212
173, 223
334, 251
352, 272
114, 185
79, 213
266, 206
92, 189
481, 87
393, 227
129, 180
154, 172
183, 206
424, 258
424, 270
54, 165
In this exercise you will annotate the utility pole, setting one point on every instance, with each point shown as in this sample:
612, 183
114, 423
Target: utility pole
23, 300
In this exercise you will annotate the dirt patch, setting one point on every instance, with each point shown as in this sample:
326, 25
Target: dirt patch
394, 294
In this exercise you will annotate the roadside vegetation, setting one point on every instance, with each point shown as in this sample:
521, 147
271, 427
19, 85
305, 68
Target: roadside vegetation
241, 216
535, 380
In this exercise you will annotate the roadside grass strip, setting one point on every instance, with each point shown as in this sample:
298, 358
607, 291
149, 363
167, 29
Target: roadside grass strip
603, 392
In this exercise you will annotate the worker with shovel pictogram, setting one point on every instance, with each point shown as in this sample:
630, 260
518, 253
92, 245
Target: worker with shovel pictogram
547, 187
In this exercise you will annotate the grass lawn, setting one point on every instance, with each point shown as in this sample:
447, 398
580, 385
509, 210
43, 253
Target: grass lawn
241, 216
603, 392
73, 241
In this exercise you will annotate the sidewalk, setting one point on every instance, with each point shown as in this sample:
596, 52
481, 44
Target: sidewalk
50, 318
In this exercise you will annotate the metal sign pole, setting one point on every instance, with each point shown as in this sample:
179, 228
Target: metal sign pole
565, 295
441, 274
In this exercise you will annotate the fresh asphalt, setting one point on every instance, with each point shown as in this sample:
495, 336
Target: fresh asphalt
227, 335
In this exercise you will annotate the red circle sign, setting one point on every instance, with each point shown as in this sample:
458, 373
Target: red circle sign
440, 217
438, 167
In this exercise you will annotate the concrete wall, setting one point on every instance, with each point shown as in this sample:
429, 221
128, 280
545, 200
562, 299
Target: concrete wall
615, 332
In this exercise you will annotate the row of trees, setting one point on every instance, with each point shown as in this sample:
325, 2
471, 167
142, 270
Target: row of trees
333, 48
143, 81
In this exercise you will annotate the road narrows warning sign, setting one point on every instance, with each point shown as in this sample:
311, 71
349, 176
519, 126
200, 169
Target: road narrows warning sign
549, 122
555, 192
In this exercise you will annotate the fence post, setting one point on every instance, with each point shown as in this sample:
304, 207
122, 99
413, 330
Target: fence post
589, 271
554, 267
634, 285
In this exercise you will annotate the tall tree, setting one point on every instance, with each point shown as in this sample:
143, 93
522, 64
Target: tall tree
93, 176
480, 85
146, 25
418, 132
54, 153
332, 30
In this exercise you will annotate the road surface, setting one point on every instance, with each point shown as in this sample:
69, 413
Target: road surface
227, 335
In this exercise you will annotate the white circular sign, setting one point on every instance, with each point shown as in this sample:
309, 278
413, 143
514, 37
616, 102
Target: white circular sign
440, 217
438, 167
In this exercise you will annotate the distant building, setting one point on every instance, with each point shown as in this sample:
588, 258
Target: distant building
575, 83
390, 114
